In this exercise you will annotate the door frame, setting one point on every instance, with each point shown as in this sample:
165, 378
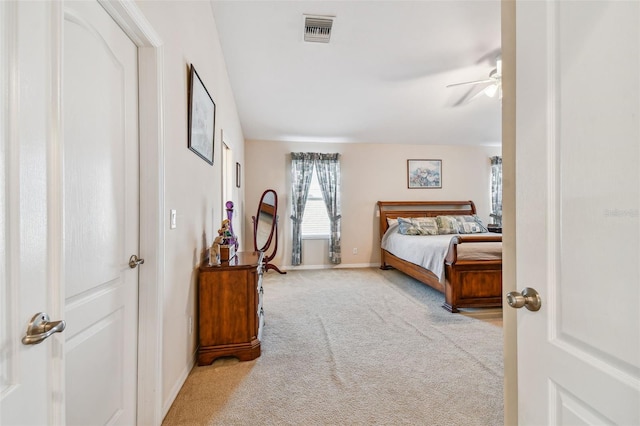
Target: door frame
510, 345
151, 144
151, 279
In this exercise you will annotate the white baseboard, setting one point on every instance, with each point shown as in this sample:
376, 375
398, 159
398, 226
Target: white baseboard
178, 385
340, 266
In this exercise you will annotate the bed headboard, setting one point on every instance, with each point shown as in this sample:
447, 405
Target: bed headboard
395, 209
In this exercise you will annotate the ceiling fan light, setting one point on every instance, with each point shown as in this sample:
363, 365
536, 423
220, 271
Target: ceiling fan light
491, 91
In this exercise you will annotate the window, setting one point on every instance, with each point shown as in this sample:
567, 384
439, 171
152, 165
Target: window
496, 190
325, 168
315, 222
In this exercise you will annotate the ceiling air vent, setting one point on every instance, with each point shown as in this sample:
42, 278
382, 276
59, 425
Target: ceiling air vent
317, 29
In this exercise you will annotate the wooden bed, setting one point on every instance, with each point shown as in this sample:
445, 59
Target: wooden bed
467, 283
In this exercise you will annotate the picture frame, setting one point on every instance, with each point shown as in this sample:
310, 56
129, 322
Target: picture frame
238, 174
424, 174
202, 118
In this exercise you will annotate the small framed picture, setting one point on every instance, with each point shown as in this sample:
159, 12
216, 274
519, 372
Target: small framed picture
424, 174
238, 175
202, 119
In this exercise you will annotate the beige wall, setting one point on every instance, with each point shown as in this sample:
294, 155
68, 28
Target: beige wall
370, 172
192, 186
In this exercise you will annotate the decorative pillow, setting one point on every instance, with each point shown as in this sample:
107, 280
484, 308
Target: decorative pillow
429, 225
466, 224
418, 225
391, 222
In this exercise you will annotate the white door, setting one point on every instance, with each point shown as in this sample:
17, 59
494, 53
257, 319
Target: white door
68, 214
26, 377
577, 219
100, 217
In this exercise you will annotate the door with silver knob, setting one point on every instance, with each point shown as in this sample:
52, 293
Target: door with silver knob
101, 217
575, 208
529, 298
69, 208
40, 328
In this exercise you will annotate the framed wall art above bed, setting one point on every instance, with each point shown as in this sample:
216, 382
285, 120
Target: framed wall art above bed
424, 174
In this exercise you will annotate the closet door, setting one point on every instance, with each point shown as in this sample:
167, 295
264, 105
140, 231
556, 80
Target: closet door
100, 214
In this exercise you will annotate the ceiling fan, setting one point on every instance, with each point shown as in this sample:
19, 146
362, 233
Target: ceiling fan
494, 82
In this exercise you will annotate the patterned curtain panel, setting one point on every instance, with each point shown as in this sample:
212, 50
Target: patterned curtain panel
301, 172
328, 169
496, 190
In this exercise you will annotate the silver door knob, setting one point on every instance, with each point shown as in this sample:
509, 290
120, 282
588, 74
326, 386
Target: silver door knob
40, 328
529, 298
134, 261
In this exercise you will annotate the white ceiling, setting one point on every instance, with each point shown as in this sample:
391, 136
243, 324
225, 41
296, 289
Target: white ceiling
381, 79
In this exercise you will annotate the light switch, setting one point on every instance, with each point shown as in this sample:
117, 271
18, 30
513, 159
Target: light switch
173, 220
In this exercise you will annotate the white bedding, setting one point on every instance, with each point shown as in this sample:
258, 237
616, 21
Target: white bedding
427, 251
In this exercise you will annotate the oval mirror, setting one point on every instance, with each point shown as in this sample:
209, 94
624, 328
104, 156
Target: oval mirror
265, 220
265, 228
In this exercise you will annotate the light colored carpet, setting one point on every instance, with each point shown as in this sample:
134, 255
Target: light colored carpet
354, 347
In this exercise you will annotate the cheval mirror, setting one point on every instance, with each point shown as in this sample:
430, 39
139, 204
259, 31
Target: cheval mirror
265, 228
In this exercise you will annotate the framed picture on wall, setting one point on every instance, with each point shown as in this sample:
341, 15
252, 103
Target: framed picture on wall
424, 174
202, 118
238, 175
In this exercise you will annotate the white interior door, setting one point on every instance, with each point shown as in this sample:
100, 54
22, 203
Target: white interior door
578, 231
26, 379
100, 217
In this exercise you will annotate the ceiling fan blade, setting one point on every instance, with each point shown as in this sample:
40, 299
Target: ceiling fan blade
491, 91
469, 93
476, 96
488, 80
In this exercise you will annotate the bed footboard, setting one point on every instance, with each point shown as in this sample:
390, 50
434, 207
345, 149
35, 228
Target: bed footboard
472, 283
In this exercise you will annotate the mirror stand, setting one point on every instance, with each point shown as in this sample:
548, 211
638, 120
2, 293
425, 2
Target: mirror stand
265, 228
269, 257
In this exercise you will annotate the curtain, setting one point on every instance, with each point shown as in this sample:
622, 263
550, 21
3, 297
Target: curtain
496, 190
328, 170
301, 172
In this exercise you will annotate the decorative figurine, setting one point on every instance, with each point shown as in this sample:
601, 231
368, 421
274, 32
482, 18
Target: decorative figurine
225, 245
229, 205
214, 251
225, 241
